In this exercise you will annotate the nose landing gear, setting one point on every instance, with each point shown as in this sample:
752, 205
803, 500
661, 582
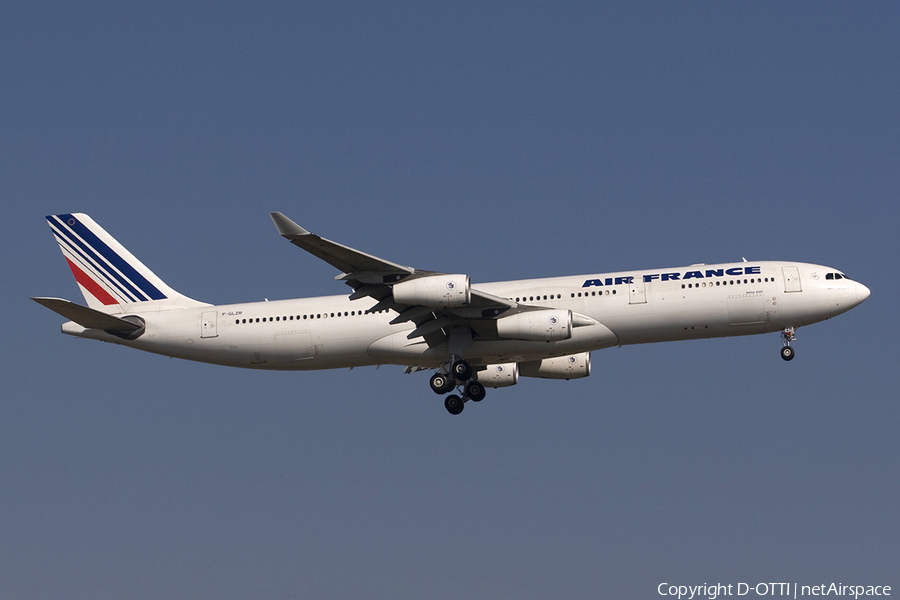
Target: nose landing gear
787, 353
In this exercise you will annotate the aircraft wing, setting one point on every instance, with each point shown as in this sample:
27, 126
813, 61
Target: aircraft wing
346, 260
374, 277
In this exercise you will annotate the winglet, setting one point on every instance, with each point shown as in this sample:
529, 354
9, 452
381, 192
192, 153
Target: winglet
285, 226
343, 258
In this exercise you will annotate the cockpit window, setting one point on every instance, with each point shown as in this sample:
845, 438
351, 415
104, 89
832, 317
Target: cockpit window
835, 276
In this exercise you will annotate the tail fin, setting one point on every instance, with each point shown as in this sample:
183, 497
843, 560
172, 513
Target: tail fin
110, 277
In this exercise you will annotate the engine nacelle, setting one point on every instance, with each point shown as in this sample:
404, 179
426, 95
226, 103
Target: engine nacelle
574, 366
497, 376
536, 326
434, 291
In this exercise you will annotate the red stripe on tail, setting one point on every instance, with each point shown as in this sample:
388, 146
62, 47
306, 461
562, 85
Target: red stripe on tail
90, 285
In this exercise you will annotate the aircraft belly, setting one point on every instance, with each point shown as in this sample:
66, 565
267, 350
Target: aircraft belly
396, 348
747, 309
293, 346
673, 318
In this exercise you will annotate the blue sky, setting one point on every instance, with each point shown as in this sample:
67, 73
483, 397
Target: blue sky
504, 140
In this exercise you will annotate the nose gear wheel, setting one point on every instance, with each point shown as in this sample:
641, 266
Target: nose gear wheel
787, 353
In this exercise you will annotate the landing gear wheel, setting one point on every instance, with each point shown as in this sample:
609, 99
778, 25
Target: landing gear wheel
787, 353
453, 404
475, 391
441, 383
461, 370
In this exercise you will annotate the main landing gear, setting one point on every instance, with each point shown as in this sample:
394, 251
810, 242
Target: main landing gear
787, 353
459, 374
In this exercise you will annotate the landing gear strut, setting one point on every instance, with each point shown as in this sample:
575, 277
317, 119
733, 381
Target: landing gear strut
787, 353
459, 374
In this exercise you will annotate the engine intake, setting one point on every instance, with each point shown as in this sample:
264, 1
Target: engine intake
434, 291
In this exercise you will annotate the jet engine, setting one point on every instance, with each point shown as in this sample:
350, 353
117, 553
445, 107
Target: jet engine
497, 376
536, 326
574, 366
434, 291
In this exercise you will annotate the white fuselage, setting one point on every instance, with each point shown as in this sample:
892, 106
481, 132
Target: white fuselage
634, 307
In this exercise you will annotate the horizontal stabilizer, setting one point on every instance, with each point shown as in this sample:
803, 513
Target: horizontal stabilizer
88, 317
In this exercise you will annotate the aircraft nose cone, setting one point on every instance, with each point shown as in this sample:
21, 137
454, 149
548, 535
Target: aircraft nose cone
862, 292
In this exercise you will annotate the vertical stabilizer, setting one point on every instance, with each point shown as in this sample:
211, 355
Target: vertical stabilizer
110, 277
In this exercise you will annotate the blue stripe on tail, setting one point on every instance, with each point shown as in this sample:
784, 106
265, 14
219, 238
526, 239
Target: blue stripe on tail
96, 246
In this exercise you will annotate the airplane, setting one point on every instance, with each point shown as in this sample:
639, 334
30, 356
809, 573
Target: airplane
473, 336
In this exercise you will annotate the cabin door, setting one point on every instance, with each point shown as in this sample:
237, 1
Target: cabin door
791, 279
637, 293
208, 324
